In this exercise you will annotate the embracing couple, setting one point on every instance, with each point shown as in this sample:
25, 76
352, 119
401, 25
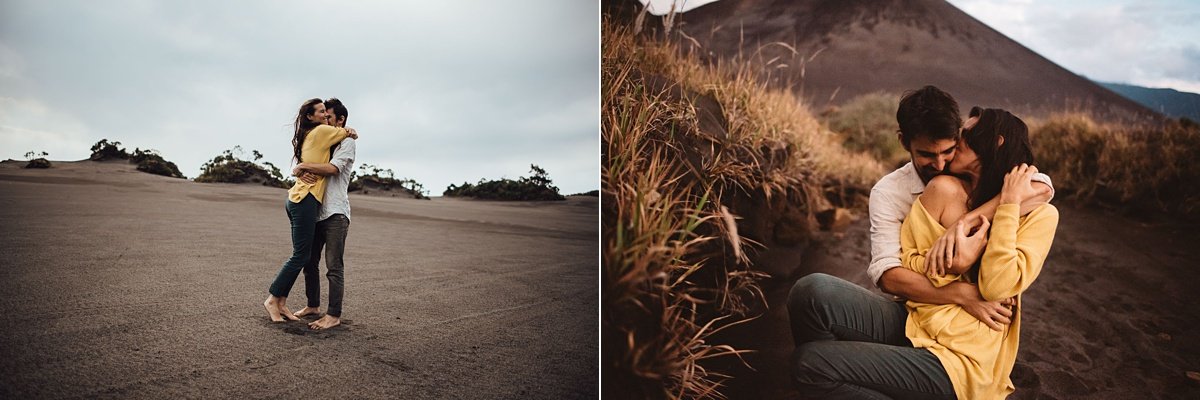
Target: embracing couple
959, 232
318, 207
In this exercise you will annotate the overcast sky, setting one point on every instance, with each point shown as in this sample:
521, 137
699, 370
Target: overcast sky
1153, 43
442, 92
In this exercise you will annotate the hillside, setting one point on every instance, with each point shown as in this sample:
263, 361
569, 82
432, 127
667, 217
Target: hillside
830, 51
1170, 102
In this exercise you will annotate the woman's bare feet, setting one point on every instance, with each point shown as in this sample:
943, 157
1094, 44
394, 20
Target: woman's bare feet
281, 305
273, 309
326, 322
307, 311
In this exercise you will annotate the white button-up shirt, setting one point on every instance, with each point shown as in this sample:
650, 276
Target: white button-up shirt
891, 200
337, 196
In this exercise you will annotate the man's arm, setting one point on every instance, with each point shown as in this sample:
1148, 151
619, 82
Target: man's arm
323, 169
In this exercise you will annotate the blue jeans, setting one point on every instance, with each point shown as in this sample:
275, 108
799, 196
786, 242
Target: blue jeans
304, 224
850, 344
330, 234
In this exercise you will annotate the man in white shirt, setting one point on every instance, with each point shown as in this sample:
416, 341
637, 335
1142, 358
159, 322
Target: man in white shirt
333, 224
850, 340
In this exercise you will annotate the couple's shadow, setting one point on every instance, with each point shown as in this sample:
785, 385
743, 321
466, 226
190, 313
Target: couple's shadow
300, 328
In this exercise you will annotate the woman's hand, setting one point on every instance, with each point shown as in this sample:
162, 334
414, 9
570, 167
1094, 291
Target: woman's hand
352, 133
1018, 186
994, 314
955, 251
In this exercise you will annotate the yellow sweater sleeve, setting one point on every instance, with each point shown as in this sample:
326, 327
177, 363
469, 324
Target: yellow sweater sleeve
1015, 250
321, 137
917, 235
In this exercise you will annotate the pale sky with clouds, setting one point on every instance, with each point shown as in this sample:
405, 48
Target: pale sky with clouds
1153, 43
442, 92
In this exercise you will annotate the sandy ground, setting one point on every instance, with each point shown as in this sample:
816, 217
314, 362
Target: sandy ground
121, 284
1114, 315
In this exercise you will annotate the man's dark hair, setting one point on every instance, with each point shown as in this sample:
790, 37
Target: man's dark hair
339, 111
928, 112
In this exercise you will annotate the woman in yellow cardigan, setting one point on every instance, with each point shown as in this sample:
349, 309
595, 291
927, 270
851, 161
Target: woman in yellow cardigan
994, 158
311, 144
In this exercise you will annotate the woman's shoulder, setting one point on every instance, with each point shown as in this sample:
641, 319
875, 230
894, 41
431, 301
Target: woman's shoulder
942, 189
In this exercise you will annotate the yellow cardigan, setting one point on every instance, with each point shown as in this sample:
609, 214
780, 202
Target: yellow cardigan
316, 150
977, 358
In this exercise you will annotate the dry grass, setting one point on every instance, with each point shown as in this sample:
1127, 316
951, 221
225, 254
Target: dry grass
676, 268
868, 123
1133, 166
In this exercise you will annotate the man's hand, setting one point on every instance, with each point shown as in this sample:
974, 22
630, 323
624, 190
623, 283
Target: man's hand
955, 251
994, 314
308, 177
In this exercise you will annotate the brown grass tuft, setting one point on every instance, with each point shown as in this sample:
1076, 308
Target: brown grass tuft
1134, 166
689, 150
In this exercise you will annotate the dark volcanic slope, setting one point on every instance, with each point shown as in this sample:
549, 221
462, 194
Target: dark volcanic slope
846, 48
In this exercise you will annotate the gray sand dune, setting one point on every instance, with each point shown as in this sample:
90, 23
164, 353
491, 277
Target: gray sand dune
123, 284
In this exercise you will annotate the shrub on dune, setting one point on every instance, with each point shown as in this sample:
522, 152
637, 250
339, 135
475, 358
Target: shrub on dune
148, 160
536, 187
39, 162
375, 179
229, 167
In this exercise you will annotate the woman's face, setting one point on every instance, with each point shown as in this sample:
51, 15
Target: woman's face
320, 115
965, 160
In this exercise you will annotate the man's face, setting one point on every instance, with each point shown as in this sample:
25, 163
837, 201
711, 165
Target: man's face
931, 156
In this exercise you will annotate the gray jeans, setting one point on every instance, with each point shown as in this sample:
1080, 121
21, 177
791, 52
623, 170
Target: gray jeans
331, 234
850, 344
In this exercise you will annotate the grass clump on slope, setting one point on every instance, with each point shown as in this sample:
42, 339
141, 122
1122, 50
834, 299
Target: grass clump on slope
1148, 166
687, 150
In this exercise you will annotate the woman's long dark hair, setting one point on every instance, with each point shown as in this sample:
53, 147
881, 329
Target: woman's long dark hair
996, 160
303, 125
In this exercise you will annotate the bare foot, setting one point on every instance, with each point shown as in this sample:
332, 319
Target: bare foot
272, 309
281, 305
326, 322
307, 311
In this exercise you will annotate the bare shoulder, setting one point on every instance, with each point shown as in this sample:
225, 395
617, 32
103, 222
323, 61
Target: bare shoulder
943, 188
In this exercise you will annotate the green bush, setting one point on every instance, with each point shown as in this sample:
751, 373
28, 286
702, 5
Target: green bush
228, 167
377, 179
537, 187
150, 161
40, 162
105, 150
868, 123
147, 160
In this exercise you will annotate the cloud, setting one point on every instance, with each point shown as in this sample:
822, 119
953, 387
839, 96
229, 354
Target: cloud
436, 88
1143, 43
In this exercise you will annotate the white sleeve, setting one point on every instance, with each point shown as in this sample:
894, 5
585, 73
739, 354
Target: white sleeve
1043, 178
343, 157
886, 218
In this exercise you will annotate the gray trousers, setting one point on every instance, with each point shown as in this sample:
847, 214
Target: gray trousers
850, 344
331, 234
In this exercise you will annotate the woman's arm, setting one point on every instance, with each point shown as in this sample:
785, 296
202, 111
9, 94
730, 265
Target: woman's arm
1016, 251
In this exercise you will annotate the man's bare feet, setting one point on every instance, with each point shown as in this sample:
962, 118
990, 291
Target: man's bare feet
272, 309
307, 311
326, 322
